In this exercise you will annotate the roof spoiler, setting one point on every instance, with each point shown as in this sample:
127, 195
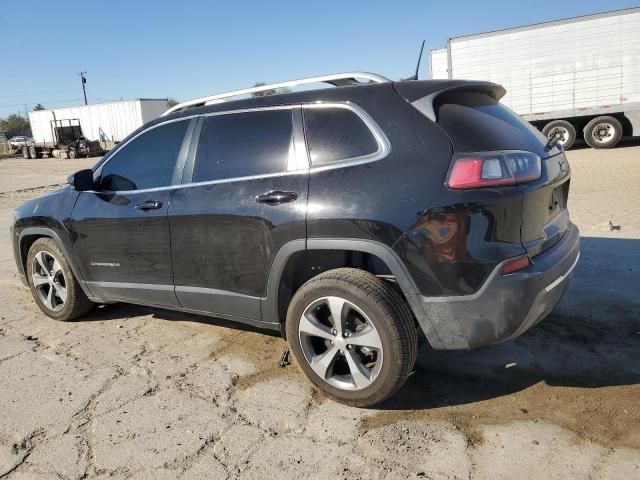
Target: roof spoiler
423, 96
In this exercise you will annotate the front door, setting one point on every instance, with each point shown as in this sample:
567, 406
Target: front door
245, 197
121, 231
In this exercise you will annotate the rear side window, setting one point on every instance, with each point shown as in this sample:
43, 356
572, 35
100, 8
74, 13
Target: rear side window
335, 134
148, 161
244, 144
478, 122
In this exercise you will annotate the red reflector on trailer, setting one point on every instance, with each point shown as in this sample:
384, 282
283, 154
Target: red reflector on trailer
515, 264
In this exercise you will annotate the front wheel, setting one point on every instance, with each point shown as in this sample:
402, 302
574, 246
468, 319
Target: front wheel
353, 336
52, 283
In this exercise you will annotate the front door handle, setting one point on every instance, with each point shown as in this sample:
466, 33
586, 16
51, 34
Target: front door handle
276, 197
149, 205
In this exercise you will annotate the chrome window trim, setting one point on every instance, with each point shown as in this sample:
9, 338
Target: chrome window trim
384, 147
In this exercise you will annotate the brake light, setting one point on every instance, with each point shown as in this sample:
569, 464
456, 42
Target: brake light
493, 169
515, 264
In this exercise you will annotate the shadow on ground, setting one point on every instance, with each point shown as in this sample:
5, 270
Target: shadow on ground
590, 341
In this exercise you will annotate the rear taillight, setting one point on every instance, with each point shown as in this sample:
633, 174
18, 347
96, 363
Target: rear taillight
493, 169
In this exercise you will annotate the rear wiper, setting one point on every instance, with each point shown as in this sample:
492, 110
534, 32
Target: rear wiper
553, 141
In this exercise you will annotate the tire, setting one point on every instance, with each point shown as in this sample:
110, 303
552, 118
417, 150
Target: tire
603, 132
563, 130
371, 307
25, 153
33, 153
73, 153
45, 253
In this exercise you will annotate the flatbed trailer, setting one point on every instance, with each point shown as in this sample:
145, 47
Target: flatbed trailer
68, 142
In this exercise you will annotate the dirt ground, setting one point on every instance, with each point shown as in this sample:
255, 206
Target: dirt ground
133, 392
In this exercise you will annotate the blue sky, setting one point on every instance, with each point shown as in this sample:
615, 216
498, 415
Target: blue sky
188, 48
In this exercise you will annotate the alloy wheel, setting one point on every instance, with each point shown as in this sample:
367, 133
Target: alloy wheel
340, 343
49, 281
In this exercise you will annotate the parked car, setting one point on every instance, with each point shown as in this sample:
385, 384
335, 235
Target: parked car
347, 218
18, 142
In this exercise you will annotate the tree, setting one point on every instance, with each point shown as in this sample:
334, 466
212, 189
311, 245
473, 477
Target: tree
39, 106
272, 91
15, 125
172, 102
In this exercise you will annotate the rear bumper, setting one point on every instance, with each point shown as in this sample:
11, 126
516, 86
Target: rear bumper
506, 306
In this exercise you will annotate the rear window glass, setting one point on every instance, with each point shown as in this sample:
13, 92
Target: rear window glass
335, 134
477, 122
243, 144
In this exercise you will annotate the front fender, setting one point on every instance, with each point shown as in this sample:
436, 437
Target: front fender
46, 216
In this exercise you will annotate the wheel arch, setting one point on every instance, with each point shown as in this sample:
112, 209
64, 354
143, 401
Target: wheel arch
29, 235
295, 263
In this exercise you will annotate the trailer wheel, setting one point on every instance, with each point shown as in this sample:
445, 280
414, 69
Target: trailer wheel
33, 153
25, 152
603, 132
73, 153
562, 130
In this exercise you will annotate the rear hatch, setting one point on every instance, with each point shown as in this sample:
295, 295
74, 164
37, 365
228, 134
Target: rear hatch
479, 126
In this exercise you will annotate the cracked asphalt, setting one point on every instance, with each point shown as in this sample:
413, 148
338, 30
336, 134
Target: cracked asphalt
134, 392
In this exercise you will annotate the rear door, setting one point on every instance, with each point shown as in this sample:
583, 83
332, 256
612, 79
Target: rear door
244, 197
121, 231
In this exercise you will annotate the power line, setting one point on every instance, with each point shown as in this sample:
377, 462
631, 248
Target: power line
41, 101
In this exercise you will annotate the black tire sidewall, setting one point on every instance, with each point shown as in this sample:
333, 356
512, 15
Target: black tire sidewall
561, 123
588, 130
73, 289
386, 382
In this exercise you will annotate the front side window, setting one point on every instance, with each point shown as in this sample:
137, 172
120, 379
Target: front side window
335, 134
148, 161
244, 144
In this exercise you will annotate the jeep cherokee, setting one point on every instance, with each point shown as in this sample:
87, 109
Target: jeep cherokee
347, 218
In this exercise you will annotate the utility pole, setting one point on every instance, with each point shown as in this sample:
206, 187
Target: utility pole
84, 88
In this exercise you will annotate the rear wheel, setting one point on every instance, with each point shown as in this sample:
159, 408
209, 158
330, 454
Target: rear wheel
25, 152
33, 153
353, 336
603, 132
563, 131
52, 283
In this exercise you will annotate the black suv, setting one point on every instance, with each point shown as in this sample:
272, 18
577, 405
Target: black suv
347, 218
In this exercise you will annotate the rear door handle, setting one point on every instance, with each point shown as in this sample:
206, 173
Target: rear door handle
149, 205
276, 197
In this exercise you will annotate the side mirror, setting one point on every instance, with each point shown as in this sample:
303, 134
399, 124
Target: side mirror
82, 180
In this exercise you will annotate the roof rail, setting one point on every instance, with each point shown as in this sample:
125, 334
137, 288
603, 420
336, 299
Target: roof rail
338, 80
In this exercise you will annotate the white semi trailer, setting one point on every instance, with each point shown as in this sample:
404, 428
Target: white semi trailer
88, 129
577, 78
